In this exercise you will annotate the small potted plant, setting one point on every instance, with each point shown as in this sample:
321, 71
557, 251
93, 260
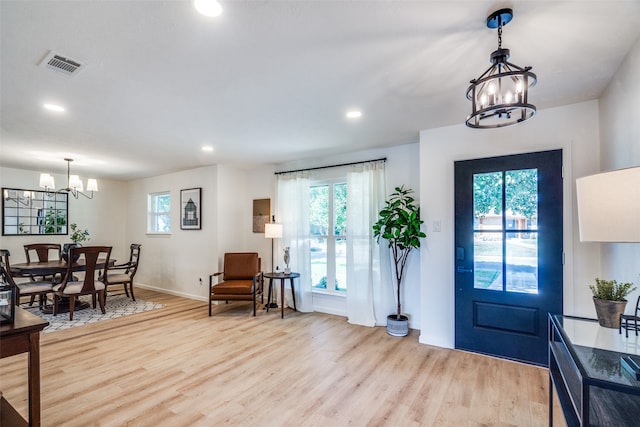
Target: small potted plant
399, 224
610, 301
77, 236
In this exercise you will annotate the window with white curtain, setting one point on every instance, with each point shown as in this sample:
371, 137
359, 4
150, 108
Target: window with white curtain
331, 243
328, 233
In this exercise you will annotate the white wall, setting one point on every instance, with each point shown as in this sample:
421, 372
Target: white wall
103, 216
234, 212
574, 129
260, 184
174, 263
620, 148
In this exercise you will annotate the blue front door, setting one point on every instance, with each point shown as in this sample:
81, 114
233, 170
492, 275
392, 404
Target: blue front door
508, 250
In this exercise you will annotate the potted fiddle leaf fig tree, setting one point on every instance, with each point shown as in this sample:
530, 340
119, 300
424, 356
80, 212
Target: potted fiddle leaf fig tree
399, 224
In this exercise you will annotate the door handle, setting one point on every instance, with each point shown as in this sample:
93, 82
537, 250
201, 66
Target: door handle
464, 270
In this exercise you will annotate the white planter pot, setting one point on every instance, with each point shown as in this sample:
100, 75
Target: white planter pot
397, 327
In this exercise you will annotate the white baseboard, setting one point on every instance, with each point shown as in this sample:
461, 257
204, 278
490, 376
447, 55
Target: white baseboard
330, 304
170, 292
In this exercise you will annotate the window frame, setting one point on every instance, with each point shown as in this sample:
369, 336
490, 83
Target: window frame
331, 237
153, 214
506, 229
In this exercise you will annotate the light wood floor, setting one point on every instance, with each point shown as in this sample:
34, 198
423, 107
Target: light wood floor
178, 367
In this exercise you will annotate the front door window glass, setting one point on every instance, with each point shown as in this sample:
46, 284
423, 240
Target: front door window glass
506, 230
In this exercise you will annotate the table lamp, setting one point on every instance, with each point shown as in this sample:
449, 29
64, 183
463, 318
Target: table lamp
609, 206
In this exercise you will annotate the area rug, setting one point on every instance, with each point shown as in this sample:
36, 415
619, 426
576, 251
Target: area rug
117, 306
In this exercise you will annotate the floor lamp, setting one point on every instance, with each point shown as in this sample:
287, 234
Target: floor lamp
273, 231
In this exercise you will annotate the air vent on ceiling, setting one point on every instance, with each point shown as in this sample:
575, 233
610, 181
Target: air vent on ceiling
62, 64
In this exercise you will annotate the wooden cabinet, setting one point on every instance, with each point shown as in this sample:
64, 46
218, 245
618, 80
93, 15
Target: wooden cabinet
584, 368
23, 336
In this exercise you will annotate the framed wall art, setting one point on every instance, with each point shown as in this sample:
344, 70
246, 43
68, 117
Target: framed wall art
191, 209
261, 212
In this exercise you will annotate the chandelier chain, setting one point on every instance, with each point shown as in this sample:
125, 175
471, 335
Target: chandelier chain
500, 35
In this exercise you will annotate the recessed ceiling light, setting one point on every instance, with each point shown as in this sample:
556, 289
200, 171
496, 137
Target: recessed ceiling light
208, 7
207, 148
54, 107
354, 114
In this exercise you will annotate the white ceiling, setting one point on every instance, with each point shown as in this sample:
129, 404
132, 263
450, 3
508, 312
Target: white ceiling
270, 81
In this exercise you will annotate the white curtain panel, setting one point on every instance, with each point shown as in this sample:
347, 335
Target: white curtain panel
368, 300
293, 213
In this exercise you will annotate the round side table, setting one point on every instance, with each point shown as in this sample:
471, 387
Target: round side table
282, 277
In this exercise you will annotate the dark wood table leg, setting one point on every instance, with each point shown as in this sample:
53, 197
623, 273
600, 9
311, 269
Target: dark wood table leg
34, 378
293, 294
269, 298
282, 298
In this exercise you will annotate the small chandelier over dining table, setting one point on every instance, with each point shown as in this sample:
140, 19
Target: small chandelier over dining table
500, 96
74, 184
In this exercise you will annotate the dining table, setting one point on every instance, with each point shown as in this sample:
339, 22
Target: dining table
53, 268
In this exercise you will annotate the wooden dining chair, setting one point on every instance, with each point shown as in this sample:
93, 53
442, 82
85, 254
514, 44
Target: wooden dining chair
241, 280
122, 274
42, 252
73, 287
31, 288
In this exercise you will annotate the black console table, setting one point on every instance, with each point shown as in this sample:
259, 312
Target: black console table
584, 366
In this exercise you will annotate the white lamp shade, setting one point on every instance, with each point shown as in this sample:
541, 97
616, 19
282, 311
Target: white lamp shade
609, 206
92, 184
75, 183
273, 231
46, 181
